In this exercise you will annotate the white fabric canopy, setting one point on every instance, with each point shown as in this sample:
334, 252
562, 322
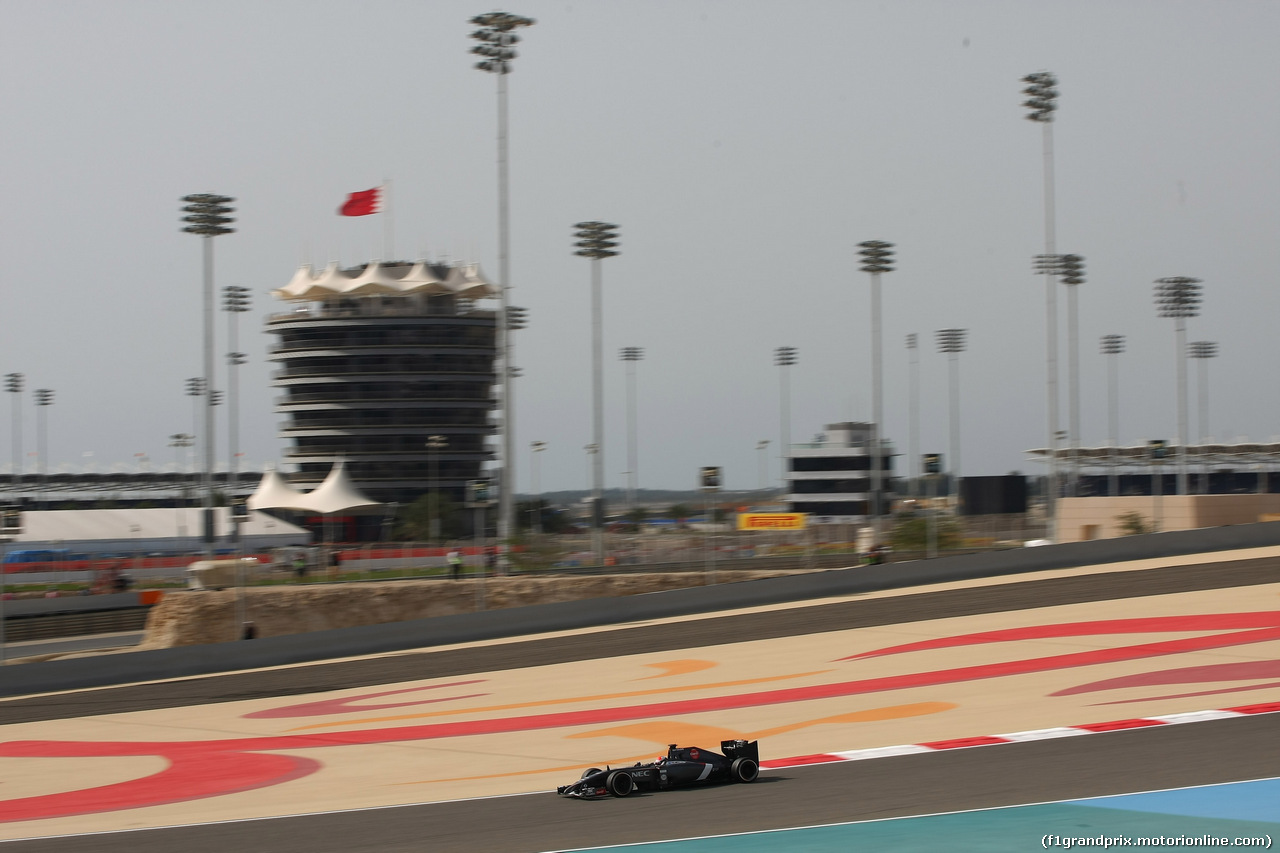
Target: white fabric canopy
274, 492
375, 277
335, 494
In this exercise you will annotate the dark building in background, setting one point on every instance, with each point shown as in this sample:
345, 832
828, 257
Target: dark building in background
1005, 495
375, 359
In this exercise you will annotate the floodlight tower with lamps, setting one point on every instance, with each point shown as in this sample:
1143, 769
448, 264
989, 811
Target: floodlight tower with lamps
631, 355
517, 319
913, 412
1071, 271
235, 301
44, 399
207, 217
952, 343
597, 241
784, 358
535, 448
183, 441
196, 386
497, 39
13, 384
1178, 297
1112, 346
763, 445
1202, 351
1041, 104
877, 258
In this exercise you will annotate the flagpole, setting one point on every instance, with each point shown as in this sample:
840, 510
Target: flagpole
387, 222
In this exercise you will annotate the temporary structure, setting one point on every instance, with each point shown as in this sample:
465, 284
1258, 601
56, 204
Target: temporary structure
274, 492
336, 493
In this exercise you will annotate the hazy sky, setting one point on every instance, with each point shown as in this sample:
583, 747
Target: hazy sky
745, 149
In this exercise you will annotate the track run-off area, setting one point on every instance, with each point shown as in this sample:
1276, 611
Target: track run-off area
1170, 666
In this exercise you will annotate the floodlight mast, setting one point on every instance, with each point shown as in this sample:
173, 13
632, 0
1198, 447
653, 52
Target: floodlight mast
631, 355
597, 241
1071, 272
497, 40
877, 258
207, 218
784, 358
1112, 346
1202, 351
1041, 104
951, 342
1178, 297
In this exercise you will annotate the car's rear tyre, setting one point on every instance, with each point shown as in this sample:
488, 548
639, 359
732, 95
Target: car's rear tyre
744, 770
589, 771
620, 783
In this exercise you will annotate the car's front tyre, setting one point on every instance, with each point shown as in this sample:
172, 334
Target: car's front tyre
744, 770
620, 783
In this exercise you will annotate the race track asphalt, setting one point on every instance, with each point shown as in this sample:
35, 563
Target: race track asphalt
1009, 774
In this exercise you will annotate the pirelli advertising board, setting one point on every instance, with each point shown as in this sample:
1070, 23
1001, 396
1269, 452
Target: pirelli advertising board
772, 520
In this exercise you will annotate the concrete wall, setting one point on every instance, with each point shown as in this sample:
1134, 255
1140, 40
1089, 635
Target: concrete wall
198, 617
1083, 519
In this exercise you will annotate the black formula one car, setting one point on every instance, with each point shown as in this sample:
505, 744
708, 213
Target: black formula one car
683, 766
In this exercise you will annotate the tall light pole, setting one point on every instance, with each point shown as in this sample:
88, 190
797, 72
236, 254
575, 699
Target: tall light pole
952, 343
1072, 275
1202, 351
183, 441
1112, 346
435, 443
536, 447
877, 258
631, 355
597, 538
196, 386
13, 384
1178, 297
762, 446
44, 399
235, 301
497, 39
913, 462
207, 217
785, 357
1041, 104
597, 241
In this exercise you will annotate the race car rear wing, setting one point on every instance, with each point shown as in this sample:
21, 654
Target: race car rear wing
741, 749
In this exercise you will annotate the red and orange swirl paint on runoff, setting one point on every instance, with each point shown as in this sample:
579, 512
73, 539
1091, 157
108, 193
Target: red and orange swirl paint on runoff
200, 769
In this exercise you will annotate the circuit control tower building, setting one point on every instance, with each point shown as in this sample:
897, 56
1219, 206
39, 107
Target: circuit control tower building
373, 361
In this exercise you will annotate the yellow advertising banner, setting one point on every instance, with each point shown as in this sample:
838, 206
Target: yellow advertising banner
772, 520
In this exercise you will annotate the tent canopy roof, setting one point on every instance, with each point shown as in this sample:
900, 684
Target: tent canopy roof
396, 278
335, 494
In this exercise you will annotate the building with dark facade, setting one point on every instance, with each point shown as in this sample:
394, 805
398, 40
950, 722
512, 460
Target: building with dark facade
830, 477
376, 359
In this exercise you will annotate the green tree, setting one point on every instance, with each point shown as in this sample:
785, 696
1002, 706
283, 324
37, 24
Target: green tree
1134, 524
679, 513
911, 532
636, 516
413, 522
553, 520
